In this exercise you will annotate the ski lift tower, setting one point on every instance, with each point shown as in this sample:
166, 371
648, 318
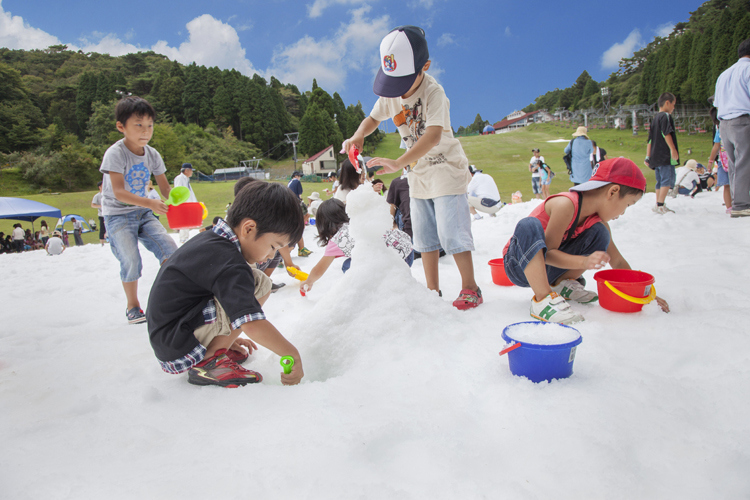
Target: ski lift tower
293, 138
605, 99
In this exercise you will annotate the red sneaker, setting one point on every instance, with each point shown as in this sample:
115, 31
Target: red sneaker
222, 371
237, 356
468, 299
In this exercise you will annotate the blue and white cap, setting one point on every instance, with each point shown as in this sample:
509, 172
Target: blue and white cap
403, 52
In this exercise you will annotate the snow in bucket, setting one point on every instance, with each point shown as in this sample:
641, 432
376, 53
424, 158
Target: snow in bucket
541, 351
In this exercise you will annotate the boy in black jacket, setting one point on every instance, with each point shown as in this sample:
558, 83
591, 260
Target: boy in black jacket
206, 294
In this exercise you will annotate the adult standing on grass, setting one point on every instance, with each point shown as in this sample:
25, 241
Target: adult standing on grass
77, 229
96, 202
661, 152
296, 186
581, 148
18, 237
535, 167
733, 102
598, 156
183, 179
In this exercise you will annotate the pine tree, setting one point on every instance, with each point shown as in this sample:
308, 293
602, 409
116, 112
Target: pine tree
84, 98
741, 33
723, 54
700, 72
682, 67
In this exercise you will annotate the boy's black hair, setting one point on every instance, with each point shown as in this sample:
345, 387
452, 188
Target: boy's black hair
242, 183
216, 220
666, 97
273, 207
349, 178
133, 105
744, 48
329, 219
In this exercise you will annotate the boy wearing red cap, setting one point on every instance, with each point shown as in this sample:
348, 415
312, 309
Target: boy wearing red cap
439, 176
567, 235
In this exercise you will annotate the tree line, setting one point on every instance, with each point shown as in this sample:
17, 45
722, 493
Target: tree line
686, 63
57, 113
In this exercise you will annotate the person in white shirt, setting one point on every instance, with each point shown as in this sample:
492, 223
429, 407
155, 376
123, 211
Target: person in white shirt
535, 167
184, 180
688, 182
314, 202
18, 235
55, 245
483, 194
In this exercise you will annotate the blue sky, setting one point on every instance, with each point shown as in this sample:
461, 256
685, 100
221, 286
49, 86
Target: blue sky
491, 57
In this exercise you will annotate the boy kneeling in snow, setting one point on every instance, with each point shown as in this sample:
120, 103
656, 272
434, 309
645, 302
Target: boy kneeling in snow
206, 294
567, 235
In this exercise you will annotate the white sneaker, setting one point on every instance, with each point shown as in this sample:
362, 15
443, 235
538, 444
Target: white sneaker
477, 216
573, 290
554, 309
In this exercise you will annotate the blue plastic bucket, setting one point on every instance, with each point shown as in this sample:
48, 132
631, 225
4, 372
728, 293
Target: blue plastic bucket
541, 362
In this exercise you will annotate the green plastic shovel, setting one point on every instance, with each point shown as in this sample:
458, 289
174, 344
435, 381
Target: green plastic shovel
178, 195
287, 362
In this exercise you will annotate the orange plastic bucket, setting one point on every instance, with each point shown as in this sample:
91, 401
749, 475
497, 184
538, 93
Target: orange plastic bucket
498, 273
186, 215
624, 290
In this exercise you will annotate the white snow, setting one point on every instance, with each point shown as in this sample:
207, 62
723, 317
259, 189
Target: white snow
404, 396
542, 333
560, 140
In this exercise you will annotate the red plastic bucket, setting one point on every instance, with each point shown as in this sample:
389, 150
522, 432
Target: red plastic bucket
498, 273
624, 290
186, 215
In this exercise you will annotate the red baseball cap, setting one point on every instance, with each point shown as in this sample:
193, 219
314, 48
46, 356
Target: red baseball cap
616, 170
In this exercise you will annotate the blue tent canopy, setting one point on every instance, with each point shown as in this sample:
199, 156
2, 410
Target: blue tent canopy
61, 223
489, 129
28, 210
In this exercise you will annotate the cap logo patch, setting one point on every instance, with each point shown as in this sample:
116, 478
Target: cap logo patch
593, 172
389, 63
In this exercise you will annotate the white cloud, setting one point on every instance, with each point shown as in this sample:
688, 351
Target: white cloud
663, 30
507, 31
318, 6
210, 43
353, 47
15, 33
611, 57
446, 39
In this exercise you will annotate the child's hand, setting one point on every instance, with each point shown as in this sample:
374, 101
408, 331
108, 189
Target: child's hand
389, 166
243, 342
296, 375
305, 287
347, 144
295, 266
663, 304
597, 260
158, 207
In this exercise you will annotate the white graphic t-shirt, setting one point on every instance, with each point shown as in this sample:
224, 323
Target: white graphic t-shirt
135, 169
444, 170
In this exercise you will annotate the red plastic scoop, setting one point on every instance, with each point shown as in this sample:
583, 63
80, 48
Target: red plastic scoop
353, 154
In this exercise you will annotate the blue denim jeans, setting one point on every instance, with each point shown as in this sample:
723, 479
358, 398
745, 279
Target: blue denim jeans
442, 222
528, 239
126, 230
665, 176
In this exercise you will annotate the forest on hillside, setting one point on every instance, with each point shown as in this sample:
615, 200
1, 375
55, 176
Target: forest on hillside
57, 114
685, 63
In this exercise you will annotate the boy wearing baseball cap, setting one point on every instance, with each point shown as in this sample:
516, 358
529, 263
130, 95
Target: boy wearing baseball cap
440, 175
567, 235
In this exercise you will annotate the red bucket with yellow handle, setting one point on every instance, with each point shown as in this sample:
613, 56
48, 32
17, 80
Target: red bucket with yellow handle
624, 290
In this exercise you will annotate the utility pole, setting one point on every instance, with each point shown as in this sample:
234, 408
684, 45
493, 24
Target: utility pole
293, 138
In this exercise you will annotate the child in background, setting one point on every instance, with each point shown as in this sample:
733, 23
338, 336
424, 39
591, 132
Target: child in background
546, 179
44, 232
661, 152
379, 186
333, 233
439, 179
535, 167
207, 294
54, 245
721, 165
128, 215
350, 180
567, 235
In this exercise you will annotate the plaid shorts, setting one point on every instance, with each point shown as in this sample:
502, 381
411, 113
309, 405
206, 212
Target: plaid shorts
184, 363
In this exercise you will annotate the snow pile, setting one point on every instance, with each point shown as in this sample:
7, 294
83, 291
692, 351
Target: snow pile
404, 396
542, 333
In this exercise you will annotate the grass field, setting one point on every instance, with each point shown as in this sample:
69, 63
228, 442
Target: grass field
503, 156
